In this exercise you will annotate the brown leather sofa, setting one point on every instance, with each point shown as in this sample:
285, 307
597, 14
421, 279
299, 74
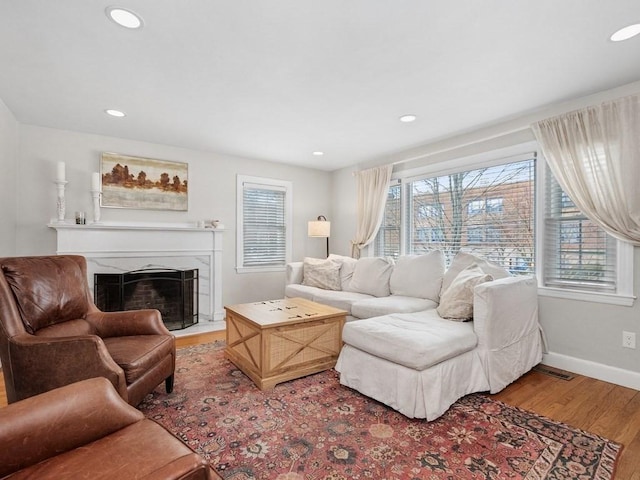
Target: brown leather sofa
86, 430
52, 334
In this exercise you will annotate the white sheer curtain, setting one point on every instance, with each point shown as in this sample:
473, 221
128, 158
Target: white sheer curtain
373, 186
594, 154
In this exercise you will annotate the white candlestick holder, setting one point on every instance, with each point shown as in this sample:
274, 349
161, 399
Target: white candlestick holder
61, 203
95, 194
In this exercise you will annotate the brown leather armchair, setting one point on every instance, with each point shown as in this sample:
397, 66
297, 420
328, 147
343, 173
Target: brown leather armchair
52, 334
85, 430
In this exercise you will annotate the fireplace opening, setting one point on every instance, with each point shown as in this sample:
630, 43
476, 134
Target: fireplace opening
173, 292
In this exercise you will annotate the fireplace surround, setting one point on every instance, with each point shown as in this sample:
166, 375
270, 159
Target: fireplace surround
124, 247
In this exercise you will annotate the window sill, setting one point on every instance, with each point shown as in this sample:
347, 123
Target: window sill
595, 297
275, 268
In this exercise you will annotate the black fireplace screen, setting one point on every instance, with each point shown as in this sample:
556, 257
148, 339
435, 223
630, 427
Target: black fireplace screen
173, 292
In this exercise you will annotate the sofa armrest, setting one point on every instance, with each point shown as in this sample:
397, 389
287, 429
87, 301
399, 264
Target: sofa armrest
60, 420
38, 363
126, 323
295, 272
505, 310
505, 319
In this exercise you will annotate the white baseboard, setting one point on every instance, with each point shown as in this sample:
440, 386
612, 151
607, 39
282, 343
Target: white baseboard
619, 376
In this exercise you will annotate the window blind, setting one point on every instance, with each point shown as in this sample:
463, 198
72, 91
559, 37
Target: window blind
578, 253
264, 225
387, 242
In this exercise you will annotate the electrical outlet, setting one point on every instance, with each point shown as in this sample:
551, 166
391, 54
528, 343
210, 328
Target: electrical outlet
629, 339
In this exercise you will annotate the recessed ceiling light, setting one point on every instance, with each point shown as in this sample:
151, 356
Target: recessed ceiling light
115, 113
318, 153
408, 118
626, 33
124, 18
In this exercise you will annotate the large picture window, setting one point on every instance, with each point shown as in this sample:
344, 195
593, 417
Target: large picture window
489, 211
264, 224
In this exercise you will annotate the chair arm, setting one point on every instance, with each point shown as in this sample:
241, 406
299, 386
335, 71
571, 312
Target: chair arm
41, 364
505, 310
294, 272
130, 322
60, 420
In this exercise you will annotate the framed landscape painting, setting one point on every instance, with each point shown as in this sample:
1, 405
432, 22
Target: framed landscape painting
143, 183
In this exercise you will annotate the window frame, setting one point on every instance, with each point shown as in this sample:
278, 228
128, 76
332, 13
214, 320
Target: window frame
494, 206
285, 185
485, 160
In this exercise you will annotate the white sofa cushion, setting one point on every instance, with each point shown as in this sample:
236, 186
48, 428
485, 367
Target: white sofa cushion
347, 266
321, 273
374, 307
339, 299
415, 340
371, 276
456, 302
418, 275
462, 260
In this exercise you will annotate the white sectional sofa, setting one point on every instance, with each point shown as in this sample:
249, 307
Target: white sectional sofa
369, 287
408, 343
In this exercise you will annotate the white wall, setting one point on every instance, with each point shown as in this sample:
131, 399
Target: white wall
212, 195
583, 337
343, 210
8, 162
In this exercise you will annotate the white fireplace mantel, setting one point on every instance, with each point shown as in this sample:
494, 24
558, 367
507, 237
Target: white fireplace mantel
121, 247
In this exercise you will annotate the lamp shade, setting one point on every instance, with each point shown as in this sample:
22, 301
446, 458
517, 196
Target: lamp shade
319, 228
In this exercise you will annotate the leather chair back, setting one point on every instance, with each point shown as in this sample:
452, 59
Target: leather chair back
47, 290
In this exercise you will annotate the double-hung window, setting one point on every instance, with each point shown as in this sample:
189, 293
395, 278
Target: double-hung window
579, 259
264, 224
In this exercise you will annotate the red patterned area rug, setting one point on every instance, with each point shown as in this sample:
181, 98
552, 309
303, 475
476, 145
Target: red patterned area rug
314, 428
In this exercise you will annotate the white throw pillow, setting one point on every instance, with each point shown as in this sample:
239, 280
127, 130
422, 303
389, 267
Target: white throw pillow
347, 266
456, 302
321, 273
418, 276
463, 260
371, 276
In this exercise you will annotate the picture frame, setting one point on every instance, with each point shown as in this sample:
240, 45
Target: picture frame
143, 183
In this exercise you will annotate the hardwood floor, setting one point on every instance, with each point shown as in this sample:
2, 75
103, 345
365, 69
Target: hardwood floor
599, 407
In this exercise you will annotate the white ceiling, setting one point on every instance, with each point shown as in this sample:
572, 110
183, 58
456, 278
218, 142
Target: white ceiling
279, 79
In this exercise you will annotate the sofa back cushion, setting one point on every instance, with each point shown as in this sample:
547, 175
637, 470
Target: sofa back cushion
321, 273
347, 266
371, 276
463, 260
418, 276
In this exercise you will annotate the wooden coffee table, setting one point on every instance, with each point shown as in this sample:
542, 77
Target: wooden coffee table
279, 340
